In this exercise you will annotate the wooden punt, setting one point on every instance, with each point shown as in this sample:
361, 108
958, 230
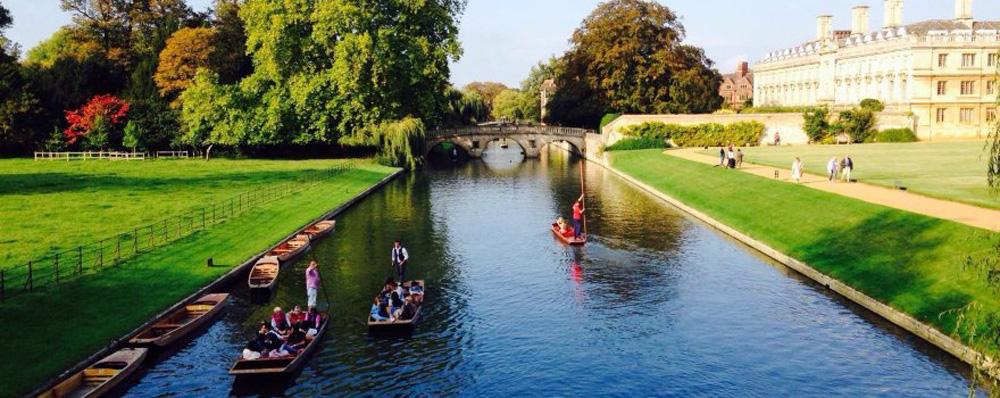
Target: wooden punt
569, 240
182, 321
320, 229
99, 378
264, 274
282, 365
288, 249
398, 325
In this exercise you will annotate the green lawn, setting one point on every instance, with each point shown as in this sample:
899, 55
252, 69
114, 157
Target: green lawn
947, 170
912, 262
56, 327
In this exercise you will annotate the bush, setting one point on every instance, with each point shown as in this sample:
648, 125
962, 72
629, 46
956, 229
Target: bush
632, 144
707, 134
872, 104
608, 118
894, 135
857, 123
816, 124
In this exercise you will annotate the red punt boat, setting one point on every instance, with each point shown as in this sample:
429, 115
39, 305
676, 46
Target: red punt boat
569, 240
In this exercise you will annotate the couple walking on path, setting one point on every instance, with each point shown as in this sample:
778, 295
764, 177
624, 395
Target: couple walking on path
844, 167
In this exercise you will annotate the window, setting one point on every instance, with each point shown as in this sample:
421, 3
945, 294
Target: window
940, 115
968, 60
942, 60
991, 115
991, 87
968, 87
475, 144
942, 88
992, 60
965, 116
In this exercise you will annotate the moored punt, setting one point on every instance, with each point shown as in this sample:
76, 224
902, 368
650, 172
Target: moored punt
279, 365
320, 229
290, 248
182, 321
398, 325
264, 274
99, 378
569, 240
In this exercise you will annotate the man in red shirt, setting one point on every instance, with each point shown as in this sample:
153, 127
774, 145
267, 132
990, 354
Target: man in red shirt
577, 216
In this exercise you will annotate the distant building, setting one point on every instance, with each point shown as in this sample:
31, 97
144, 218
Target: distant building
546, 91
942, 71
737, 88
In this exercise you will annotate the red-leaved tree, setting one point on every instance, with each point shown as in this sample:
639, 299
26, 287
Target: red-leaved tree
102, 109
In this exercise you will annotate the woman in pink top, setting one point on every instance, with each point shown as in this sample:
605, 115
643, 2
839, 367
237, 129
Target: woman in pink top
312, 283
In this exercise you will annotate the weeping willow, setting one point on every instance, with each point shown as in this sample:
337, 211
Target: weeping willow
400, 142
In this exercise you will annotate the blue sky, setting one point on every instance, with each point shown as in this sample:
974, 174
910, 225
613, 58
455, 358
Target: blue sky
502, 39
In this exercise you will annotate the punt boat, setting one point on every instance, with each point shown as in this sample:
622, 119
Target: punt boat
569, 240
264, 275
182, 321
99, 378
320, 229
398, 325
288, 249
280, 365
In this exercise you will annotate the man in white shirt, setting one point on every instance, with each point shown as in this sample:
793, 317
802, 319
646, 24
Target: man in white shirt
399, 259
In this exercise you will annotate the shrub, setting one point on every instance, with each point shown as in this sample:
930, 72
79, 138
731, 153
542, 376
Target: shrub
872, 104
631, 144
707, 134
893, 135
816, 124
857, 123
608, 118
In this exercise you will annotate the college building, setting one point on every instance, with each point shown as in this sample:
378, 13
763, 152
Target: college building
737, 87
943, 71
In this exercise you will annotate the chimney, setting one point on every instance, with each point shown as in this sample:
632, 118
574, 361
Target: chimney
893, 13
824, 24
743, 69
859, 20
963, 10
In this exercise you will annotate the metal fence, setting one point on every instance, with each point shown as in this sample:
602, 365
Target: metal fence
62, 266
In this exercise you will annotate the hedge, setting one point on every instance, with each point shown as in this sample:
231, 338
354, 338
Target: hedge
707, 134
632, 144
893, 135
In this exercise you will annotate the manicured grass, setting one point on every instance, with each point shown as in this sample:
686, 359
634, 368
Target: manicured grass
912, 262
55, 328
52, 205
947, 170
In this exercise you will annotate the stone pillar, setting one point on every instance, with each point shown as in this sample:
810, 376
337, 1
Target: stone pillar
859, 20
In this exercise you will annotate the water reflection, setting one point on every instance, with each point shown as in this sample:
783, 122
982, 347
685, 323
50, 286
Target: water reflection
656, 304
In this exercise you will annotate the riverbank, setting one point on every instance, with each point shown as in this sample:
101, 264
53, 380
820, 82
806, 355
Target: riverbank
911, 264
53, 329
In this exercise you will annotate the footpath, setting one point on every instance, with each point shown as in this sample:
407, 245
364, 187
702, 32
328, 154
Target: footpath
915, 203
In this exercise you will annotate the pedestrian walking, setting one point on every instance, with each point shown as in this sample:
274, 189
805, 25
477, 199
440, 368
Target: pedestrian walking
777, 138
722, 156
399, 259
847, 166
797, 170
312, 283
731, 158
831, 168
739, 158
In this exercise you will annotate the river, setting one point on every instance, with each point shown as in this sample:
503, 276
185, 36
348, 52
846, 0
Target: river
657, 304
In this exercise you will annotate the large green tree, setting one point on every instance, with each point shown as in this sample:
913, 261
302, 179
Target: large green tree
516, 105
629, 56
18, 105
335, 71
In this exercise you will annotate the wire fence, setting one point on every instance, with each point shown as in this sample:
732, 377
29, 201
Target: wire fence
62, 266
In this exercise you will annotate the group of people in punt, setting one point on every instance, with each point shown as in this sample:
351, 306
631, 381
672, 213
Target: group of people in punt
397, 302
285, 334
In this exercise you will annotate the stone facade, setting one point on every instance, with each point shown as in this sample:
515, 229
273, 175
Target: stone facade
942, 71
737, 87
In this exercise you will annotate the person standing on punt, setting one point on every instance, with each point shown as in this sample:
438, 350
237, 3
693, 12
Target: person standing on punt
578, 217
399, 258
312, 283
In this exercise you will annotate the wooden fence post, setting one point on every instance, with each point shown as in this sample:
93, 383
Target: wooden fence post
57, 268
31, 282
79, 260
118, 248
202, 218
135, 241
100, 246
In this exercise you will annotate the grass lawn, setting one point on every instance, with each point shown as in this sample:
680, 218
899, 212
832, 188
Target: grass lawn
59, 326
912, 262
946, 170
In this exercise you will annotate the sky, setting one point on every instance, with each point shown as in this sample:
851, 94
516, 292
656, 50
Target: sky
503, 39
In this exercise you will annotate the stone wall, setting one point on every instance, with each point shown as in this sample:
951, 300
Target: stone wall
789, 125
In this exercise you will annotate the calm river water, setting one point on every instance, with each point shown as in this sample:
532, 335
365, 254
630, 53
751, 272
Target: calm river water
656, 305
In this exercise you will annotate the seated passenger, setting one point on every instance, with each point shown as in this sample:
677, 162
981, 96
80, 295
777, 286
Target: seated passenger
296, 316
378, 312
295, 343
278, 319
561, 223
409, 309
311, 320
417, 292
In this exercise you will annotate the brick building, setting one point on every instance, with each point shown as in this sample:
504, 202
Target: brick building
737, 88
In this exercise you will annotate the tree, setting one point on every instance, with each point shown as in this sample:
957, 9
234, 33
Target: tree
628, 56
18, 105
857, 123
187, 50
98, 117
230, 58
127, 28
516, 105
465, 107
487, 90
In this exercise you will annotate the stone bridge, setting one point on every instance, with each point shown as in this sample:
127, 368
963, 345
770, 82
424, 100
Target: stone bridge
532, 139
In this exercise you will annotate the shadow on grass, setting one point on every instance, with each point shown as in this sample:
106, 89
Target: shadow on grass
897, 258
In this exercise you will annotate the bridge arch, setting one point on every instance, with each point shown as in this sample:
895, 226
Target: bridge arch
532, 139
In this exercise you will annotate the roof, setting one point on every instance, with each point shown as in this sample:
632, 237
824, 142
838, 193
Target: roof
733, 77
921, 28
